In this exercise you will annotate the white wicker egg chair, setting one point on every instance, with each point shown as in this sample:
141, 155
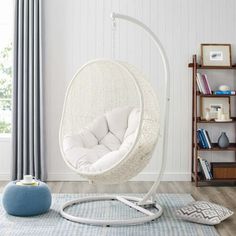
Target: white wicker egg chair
99, 87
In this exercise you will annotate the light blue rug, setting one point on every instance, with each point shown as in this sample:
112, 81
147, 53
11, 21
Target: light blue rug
51, 223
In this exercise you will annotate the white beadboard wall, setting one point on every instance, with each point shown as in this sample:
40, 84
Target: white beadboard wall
76, 31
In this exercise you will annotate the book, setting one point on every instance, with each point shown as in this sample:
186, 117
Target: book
204, 138
227, 92
201, 140
199, 83
201, 168
207, 85
199, 86
207, 138
204, 168
203, 84
208, 169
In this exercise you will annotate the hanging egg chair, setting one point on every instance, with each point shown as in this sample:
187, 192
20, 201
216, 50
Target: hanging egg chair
109, 129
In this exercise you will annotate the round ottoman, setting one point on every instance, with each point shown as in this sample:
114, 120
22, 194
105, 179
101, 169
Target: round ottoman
26, 200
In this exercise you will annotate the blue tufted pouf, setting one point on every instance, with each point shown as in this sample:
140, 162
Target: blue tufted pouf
26, 200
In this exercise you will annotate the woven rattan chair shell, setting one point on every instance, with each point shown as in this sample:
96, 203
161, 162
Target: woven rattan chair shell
100, 86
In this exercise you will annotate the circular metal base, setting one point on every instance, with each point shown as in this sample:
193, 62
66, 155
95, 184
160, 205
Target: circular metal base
149, 216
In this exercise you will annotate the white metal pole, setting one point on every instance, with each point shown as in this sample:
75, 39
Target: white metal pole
165, 114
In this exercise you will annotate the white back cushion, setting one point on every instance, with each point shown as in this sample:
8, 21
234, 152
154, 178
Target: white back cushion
99, 127
117, 121
133, 121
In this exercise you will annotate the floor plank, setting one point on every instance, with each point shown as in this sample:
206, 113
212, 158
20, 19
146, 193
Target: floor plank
225, 196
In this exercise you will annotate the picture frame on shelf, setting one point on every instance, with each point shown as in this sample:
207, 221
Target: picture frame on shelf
209, 107
213, 55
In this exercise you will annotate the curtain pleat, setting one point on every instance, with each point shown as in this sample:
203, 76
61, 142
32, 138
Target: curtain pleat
27, 131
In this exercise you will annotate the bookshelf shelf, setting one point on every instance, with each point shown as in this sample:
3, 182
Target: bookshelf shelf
215, 95
214, 180
232, 147
214, 122
198, 66
196, 125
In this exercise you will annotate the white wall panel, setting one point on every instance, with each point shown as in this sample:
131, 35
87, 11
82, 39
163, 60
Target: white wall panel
77, 30
5, 158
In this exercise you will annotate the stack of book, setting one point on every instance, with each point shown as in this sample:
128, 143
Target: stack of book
227, 92
204, 140
203, 84
205, 168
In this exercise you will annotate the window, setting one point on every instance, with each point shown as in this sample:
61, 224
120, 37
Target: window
6, 64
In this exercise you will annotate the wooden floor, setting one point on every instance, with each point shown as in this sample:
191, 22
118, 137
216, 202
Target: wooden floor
225, 196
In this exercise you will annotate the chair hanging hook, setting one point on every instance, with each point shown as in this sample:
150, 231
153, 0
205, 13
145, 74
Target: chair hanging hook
113, 27
113, 24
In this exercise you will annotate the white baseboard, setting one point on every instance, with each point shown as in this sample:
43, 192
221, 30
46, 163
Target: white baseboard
144, 176
5, 176
168, 176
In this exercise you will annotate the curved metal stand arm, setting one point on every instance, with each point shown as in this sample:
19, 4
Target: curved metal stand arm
165, 114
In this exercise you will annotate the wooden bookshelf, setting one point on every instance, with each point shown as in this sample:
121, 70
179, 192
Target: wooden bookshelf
196, 123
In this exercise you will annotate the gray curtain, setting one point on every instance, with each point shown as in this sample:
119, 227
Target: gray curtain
27, 133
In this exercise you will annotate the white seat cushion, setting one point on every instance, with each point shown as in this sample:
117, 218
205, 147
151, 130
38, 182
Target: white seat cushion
88, 139
104, 142
111, 141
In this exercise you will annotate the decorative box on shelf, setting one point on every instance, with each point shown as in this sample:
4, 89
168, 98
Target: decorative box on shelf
223, 170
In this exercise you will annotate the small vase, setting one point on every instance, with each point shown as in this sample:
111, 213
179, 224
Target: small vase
208, 116
223, 141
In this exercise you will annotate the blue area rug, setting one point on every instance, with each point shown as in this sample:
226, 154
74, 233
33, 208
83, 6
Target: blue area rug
52, 223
